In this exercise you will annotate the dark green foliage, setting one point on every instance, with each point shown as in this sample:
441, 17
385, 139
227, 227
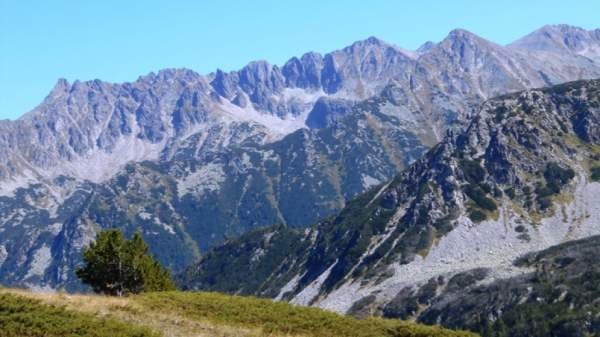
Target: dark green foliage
360, 308
544, 203
485, 188
461, 281
510, 192
478, 195
472, 171
595, 173
22, 317
557, 177
476, 215
401, 307
444, 225
116, 266
544, 196
427, 292
477, 190
500, 113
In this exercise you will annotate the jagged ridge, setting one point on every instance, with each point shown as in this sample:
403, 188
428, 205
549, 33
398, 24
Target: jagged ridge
516, 180
73, 165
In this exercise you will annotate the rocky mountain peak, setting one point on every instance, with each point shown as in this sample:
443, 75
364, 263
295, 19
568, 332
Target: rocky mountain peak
61, 85
425, 47
373, 44
171, 76
304, 72
369, 41
258, 73
460, 38
562, 39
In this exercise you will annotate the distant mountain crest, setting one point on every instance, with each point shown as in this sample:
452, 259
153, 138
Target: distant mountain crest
190, 159
562, 39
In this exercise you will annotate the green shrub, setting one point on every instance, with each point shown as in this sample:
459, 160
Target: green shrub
544, 203
477, 215
595, 173
544, 194
401, 307
472, 171
543, 191
479, 197
115, 266
557, 177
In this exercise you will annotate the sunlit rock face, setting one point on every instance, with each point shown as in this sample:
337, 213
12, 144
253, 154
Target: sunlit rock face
189, 159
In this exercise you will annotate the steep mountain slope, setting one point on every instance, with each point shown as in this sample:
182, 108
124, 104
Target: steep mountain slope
189, 159
200, 195
520, 178
558, 297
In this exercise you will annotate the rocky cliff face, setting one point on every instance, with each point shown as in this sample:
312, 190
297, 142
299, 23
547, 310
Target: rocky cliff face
523, 176
189, 158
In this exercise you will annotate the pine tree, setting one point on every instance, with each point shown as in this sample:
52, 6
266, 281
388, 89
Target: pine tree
115, 266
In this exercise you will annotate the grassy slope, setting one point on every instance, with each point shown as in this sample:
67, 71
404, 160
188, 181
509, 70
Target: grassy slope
169, 314
24, 317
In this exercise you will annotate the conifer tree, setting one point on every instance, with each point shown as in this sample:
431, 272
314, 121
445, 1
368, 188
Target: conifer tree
117, 267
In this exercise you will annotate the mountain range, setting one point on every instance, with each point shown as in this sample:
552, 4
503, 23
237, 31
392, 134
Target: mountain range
452, 239
191, 160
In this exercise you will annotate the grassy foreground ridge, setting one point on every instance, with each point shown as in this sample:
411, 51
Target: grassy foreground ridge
21, 316
170, 314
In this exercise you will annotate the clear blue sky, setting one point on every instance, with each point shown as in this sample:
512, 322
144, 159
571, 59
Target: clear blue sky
41, 41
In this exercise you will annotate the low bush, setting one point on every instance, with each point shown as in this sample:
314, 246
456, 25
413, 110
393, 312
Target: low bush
557, 177
477, 215
472, 171
478, 195
595, 173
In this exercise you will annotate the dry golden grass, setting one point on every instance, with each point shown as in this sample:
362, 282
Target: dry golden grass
199, 314
169, 324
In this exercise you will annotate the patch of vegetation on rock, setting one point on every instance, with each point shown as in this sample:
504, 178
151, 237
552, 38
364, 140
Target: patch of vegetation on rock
595, 173
477, 215
556, 178
472, 171
478, 195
